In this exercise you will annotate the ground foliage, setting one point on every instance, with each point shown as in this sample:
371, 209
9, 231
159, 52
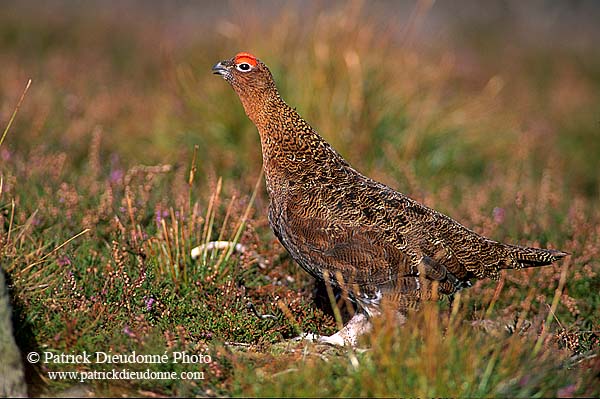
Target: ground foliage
127, 153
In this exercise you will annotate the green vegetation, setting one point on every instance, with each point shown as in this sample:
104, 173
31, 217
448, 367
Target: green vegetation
127, 153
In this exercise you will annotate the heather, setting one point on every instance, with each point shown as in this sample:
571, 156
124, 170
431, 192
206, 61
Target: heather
126, 153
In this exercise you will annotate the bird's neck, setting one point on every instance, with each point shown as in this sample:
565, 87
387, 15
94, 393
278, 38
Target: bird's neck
291, 148
262, 107
282, 131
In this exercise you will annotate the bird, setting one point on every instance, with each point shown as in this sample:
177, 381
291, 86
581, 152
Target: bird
359, 235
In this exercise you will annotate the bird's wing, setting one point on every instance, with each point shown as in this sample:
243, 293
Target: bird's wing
370, 256
357, 253
372, 235
462, 251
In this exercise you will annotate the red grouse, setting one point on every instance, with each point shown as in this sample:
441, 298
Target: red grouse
373, 242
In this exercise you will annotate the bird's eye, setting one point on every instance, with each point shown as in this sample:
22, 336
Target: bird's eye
243, 67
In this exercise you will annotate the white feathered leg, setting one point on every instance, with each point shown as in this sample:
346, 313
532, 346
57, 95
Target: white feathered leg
349, 334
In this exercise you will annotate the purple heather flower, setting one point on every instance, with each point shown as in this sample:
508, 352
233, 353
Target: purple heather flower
160, 215
127, 331
5, 154
149, 301
64, 261
567, 392
116, 175
524, 380
498, 214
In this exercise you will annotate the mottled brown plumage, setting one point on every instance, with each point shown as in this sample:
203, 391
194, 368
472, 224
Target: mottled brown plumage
368, 239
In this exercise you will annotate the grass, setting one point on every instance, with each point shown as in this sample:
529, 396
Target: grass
125, 153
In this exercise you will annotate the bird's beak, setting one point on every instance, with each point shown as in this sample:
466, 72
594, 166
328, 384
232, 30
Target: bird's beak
219, 69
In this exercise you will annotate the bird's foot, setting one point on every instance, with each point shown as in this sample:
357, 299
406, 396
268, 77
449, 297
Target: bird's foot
307, 337
350, 333
347, 336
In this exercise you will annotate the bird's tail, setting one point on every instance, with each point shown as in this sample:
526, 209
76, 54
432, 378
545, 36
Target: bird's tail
531, 257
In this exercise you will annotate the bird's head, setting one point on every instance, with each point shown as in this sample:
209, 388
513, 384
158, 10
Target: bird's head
247, 74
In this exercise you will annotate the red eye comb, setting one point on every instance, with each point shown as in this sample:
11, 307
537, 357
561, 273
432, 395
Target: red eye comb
245, 57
